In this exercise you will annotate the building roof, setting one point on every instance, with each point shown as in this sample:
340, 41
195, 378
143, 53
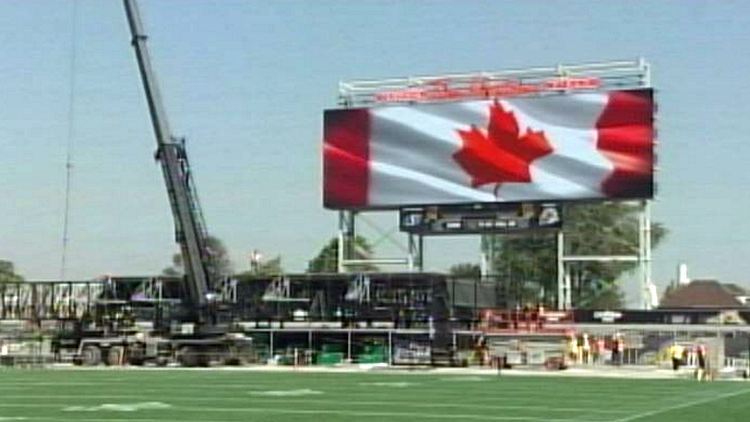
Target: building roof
736, 289
702, 294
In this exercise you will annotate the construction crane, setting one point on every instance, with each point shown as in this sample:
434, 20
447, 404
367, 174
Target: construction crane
190, 231
197, 331
203, 330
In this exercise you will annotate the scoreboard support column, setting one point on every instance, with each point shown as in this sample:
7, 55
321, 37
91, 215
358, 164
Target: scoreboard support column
416, 245
647, 291
561, 302
345, 239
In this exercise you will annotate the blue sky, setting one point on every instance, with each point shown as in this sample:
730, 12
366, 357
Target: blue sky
246, 83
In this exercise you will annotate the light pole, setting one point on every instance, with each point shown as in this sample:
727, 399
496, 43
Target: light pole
255, 258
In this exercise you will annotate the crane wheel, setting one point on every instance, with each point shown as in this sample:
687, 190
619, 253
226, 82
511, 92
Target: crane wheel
136, 355
115, 356
91, 355
192, 356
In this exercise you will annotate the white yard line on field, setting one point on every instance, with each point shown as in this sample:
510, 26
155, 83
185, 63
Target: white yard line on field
456, 398
448, 388
681, 406
279, 411
317, 412
408, 404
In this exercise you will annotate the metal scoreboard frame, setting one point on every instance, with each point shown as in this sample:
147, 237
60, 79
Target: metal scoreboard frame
530, 82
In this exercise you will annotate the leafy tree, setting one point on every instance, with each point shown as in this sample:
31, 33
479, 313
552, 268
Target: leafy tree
326, 261
528, 264
8, 273
218, 266
265, 268
271, 267
465, 270
608, 296
176, 269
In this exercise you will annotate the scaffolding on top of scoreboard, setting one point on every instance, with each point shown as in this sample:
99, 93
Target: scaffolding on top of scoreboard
620, 74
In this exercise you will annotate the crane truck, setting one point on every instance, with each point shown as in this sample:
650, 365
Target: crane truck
198, 329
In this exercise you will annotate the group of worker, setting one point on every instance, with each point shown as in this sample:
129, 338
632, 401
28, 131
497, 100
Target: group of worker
585, 349
680, 356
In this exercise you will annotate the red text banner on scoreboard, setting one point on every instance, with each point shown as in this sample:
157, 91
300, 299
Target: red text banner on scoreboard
578, 146
444, 90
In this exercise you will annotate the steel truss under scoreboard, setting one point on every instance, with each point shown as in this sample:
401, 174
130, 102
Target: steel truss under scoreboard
531, 82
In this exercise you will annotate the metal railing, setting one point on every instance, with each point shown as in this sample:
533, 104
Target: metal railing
620, 74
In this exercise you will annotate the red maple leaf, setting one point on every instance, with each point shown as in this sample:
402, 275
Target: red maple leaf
500, 155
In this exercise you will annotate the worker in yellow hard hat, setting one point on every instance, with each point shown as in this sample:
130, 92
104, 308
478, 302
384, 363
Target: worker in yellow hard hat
675, 353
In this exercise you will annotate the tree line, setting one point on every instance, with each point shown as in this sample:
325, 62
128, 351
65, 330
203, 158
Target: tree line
8, 272
526, 264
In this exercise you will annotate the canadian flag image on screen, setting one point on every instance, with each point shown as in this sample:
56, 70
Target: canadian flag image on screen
596, 145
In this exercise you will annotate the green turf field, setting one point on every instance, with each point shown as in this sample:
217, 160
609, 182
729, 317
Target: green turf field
211, 395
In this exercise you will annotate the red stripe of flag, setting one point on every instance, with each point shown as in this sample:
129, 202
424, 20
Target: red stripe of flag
626, 136
346, 158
